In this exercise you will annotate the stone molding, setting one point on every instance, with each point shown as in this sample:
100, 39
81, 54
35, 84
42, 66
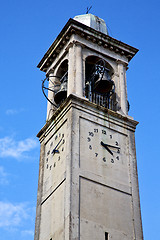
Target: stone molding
74, 101
77, 28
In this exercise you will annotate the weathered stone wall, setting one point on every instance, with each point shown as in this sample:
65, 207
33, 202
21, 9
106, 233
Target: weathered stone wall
88, 191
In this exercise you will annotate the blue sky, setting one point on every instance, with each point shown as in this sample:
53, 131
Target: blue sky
27, 29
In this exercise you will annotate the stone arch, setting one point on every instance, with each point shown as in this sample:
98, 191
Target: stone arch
99, 86
62, 69
60, 82
91, 60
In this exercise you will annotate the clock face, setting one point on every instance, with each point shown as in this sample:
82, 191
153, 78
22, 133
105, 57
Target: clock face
54, 150
104, 144
54, 159
103, 150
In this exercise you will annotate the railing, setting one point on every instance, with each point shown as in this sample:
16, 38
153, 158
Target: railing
101, 100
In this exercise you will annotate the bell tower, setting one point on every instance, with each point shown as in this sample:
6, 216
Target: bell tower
88, 182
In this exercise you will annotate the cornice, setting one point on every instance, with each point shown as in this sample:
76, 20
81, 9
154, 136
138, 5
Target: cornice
81, 103
90, 34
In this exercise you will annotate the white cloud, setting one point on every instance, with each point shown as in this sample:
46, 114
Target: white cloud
13, 111
12, 215
28, 232
3, 176
17, 219
11, 148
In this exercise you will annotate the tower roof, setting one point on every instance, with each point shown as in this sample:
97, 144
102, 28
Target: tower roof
92, 21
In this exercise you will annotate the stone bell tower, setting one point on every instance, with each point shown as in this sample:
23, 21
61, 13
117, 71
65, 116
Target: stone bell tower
88, 183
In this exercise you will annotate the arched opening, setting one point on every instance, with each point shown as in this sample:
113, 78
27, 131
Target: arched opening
99, 86
63, 69
61, 83
54, 86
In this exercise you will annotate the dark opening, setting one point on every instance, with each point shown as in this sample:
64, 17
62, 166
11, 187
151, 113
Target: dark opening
99, 86
62, 75
106, 236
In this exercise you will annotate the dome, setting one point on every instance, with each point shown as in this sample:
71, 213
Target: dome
93, 22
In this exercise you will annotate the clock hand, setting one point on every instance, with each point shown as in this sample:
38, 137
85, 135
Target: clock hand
111, 146
106, 147
56, 150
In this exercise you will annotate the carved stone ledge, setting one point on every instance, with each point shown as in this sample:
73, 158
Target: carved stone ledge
100, 43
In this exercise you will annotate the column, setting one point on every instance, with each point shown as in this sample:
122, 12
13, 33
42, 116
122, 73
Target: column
79, 71
122, 87
75, 69
71, 69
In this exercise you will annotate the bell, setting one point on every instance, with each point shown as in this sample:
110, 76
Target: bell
103, 84
61, 94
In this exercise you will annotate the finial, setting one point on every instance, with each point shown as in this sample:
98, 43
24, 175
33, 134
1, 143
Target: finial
88, 9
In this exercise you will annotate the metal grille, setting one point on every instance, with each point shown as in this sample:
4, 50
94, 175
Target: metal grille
101, 100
